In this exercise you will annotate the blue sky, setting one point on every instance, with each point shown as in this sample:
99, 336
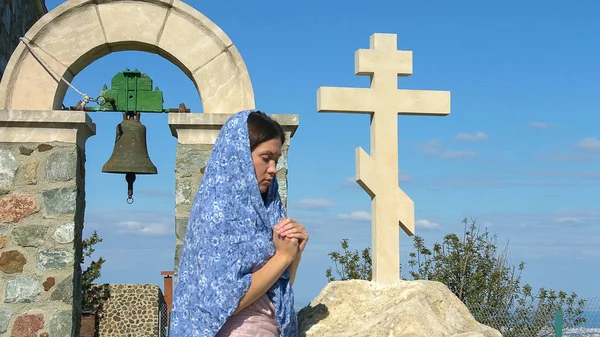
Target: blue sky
520, 150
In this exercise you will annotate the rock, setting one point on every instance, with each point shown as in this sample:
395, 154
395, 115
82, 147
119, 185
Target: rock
30, 173
191, 158
184, 193
12, 262
282, 181
49, 283
54, 258
15, 207
22, 289
60, 200
65, 233
60, 323
358, 308
5, 315
45, 147
177, 259
25, 150
3, 240
180, 228
61, 166
29, 236
27, 325
63, 291
8, 168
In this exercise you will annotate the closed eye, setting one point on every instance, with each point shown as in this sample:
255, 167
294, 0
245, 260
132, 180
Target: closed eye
267, 159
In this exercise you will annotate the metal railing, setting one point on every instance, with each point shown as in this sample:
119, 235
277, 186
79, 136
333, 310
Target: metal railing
163, 318
543, 321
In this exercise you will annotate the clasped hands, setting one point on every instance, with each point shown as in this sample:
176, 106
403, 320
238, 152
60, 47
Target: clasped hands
289, 237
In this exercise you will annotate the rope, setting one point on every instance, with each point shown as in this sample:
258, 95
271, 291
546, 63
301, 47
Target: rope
85, 97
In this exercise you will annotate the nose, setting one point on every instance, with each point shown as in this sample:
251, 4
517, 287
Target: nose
272, 168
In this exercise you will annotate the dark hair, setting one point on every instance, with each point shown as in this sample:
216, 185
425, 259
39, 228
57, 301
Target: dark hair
262, 128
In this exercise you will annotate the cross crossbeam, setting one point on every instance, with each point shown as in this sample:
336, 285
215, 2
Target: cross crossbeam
377, 173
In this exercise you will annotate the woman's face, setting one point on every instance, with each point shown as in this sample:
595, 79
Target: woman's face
265, 157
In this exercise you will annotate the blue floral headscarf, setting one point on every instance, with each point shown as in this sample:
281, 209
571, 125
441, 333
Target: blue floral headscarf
229, 236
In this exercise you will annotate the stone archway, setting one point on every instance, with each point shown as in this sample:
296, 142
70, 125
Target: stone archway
77, 33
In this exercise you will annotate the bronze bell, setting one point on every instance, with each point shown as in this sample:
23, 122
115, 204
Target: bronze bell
130, 154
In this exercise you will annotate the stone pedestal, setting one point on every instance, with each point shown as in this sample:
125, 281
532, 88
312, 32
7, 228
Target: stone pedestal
196, 134
42, 205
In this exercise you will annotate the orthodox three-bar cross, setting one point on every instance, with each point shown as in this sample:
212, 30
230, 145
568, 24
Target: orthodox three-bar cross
377, 174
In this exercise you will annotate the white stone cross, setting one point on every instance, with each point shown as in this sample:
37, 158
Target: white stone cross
377, 174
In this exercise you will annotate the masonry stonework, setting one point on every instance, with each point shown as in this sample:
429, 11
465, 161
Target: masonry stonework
41, 216
129, 310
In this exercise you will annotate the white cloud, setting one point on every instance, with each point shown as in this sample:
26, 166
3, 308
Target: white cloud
355, 216
432, 143
568, 219
140, 223
569, 157
566, 234
450, 154
424, 223
433, 148
314, 203
351, 182
403, 177
145, 228
577, 174
591, 144
541, 125
472, 137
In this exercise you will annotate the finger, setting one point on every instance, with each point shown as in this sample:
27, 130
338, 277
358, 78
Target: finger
302, 245
298, 236
293, 230
285, 227
289, 233
282, 223
291, 241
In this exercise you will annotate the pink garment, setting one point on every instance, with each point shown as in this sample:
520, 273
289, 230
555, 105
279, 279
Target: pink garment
256, 320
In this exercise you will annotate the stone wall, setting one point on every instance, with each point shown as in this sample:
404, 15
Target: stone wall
189, 159
16, 17
129, 310
41, 221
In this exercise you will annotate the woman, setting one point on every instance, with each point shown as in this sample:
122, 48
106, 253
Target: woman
240, 252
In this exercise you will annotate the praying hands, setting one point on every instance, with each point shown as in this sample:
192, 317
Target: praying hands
292, 229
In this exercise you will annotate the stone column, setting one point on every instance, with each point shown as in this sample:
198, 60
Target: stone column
42, 205
196, 134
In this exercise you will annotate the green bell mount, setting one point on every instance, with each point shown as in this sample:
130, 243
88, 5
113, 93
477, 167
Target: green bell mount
130, 93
